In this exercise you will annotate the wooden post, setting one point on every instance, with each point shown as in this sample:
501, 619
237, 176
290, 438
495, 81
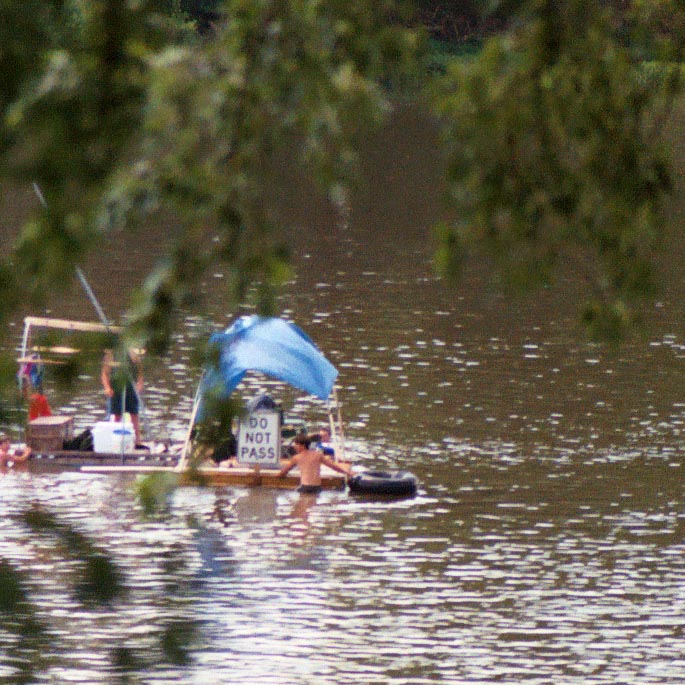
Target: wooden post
257, 469
183, 461
340, 426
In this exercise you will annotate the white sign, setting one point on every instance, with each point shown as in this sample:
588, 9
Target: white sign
259, 439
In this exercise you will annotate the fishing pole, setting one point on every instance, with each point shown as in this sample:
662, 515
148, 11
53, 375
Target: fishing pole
79, 273
100, 312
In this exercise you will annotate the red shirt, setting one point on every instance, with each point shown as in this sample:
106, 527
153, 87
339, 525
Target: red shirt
38, 406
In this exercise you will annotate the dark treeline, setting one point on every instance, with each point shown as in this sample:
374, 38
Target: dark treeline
466, 20
455, 20
446, 20
204, 12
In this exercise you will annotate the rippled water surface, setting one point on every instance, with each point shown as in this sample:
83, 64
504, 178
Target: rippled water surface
546, 544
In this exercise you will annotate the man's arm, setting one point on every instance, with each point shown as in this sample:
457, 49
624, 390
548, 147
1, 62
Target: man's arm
336, 466
105, 378
139, 372
288, 467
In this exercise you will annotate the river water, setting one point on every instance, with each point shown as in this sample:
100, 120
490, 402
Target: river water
545, 544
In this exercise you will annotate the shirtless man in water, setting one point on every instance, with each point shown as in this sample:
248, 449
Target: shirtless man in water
309, 463
7, 458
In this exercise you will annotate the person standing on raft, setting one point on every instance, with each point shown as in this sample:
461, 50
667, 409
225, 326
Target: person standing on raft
123, 379
37, 401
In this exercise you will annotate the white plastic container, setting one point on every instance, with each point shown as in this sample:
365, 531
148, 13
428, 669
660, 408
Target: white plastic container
113, 437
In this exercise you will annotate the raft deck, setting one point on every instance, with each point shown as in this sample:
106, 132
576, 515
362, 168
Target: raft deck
144, 462
78, 458
232, 474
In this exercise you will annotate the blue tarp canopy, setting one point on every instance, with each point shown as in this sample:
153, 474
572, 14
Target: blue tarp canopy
271, 346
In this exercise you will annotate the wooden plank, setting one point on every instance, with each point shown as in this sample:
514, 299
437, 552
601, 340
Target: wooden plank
33, 360
219, 477
54, 349
77, 459
124, 468
70, 325
54, 420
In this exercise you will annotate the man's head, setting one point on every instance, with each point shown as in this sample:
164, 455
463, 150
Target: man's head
302, 440
325, 434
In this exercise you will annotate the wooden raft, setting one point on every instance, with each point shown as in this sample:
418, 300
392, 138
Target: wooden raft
219, 476
90, 458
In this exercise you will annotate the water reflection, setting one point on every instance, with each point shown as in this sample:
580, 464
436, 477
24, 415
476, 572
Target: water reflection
557, 568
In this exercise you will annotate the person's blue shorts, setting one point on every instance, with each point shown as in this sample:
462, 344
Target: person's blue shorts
132, 406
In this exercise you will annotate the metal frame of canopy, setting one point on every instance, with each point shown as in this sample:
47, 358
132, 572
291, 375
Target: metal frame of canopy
61, 353
242, 324
58, 324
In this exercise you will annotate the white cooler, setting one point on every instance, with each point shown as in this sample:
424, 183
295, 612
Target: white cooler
113, 437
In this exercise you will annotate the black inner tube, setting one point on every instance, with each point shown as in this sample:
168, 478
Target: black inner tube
384, 483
